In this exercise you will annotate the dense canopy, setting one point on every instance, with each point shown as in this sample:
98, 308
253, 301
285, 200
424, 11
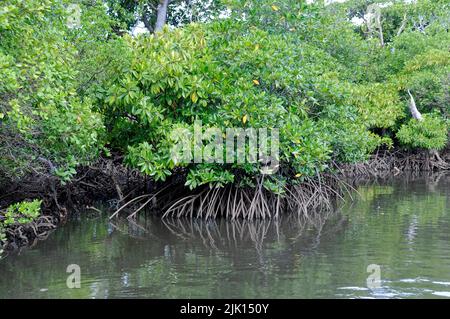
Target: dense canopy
338, 81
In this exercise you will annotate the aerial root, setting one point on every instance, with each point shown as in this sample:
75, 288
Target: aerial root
234, 202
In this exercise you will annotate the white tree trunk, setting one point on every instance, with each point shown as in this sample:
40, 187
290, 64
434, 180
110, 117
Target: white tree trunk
403, 26
413, 108
380, 30
161, 15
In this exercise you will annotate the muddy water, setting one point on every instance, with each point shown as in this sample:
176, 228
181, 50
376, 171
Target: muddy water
392, 241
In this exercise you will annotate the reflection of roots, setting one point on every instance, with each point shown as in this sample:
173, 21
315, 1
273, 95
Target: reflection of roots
233, 202
229, 235
219, 233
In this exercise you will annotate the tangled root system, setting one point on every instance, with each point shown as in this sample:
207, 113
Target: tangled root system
234, 202
386, 163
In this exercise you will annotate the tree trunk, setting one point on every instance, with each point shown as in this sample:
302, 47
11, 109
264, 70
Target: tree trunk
413, 108
403, 26
374, 23
147, 23
380, 30
161, 15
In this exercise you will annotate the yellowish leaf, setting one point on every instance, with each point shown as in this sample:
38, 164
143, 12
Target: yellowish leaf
256, 82
298, 175
275, 8
2, 115
244, 119
194, 97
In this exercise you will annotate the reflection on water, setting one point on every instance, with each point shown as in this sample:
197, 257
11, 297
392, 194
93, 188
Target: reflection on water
402, 224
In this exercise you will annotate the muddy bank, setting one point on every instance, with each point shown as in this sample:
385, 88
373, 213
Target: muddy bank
109, 181
106, 180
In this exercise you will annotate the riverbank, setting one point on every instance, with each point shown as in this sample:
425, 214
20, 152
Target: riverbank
127, 193
105, 180
400, 223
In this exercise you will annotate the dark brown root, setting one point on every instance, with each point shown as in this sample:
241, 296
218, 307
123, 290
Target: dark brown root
233, 202
30, 233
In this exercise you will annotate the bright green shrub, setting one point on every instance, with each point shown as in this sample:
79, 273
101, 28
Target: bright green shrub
431, 133
330, 88
350, 140
227, 77
44, 125
21, 213
379, 104
427, 76
281, 67
18, 214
